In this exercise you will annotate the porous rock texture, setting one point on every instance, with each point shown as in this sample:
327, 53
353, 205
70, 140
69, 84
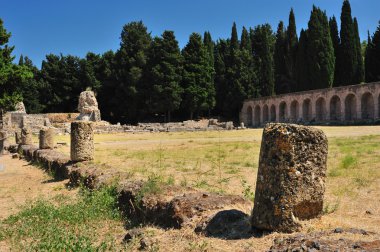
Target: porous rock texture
88, 107
47, 138
291, 177
82, 141
26, 136
3, 138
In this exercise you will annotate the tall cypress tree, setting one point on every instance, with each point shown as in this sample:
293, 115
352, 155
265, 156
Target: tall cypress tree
336, 41
302, 63
199, 93
373, 57
263, 41
234, 38
359, 75
280, 70
347, 54
245, 41
320, 51
291, 51
221, 79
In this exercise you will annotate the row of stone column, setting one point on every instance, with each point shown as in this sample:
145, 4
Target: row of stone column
82, 140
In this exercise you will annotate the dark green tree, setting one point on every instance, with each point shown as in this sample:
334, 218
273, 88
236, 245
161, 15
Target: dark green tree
334, 32
31, 88
234, 38
359, 75
222, 54
11, 76
165, 74
291, 51
347, 60
281, 83
372, 59
61, 79
199, 93
302, 63
263, 41
130, 65
320, 51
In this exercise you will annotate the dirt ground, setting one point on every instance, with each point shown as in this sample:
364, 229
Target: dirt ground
21, 182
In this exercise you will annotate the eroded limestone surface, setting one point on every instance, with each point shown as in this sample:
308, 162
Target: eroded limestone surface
291, 177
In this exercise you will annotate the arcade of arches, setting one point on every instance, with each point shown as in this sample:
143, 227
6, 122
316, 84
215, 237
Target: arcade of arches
347, 103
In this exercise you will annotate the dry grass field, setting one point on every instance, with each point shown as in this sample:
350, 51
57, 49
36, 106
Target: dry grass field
227, 162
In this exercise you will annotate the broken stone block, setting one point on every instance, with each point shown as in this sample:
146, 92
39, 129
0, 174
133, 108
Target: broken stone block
26, 136
82, 141
291, 177
46, 138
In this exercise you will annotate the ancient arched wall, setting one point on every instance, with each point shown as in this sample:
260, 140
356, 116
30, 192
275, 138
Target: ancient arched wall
346, 103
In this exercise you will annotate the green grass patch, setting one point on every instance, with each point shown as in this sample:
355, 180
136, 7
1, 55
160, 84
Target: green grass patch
44, 226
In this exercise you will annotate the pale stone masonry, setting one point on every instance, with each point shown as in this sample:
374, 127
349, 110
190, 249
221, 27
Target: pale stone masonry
82, 141
46, 138
26, 136
291, 177
339, 104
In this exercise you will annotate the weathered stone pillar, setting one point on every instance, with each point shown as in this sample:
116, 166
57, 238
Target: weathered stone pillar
82, 141
18, 137
3, 138
47, 138
291, 177
26, 136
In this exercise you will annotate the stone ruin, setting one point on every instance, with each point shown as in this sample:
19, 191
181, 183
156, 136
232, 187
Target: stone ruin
20, 107
82, 141
88, 107
291, 178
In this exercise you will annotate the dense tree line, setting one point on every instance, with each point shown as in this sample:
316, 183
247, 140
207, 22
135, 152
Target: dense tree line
151, 78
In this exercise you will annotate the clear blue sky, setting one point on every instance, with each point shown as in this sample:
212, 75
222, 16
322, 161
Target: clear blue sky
40, 27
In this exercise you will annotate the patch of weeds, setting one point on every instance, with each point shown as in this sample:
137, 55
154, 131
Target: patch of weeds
184, 182
170, 180
349, 161
335, 172
329, 208
198, 246
152, 186
362, 182
43, 226
201, 184
248, 193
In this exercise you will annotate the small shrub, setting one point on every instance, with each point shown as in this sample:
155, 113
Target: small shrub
247, 191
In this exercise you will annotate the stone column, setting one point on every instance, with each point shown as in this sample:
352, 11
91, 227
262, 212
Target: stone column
376, 110
291, 177
18, 137
26, 136
3, 138
46, 138
82, 141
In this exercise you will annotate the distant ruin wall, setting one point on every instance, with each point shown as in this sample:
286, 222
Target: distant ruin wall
340, 104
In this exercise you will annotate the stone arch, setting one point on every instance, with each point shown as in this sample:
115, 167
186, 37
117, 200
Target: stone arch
368, 106
306, 110
249, 116
282, 110
273, 113
320, 109
265, 114
294, 107
257, 116
335, 108
350, 107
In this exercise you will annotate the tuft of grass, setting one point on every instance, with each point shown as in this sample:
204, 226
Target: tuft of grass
44, 226
329, 208
248, 193
349, 161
